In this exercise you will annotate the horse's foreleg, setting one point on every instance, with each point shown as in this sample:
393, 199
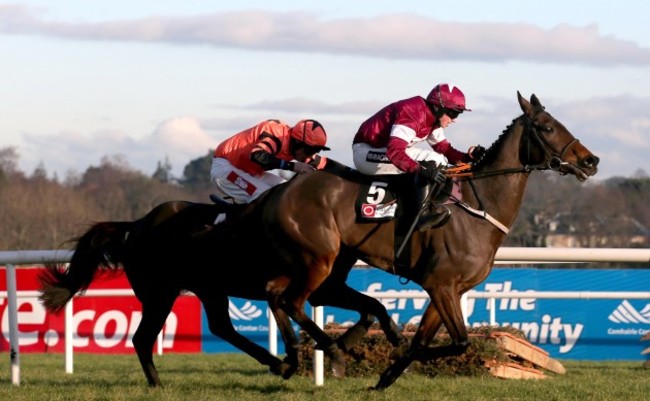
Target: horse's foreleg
219, 323
154, 313
447, 303
428, 327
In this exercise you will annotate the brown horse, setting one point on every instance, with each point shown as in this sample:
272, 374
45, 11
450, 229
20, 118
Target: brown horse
175, 248
311, 223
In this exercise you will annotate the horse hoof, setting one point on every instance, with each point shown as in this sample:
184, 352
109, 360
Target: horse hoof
337, 359
289, 370
382, 384
338, 367
399, 352
284, 369
290, 363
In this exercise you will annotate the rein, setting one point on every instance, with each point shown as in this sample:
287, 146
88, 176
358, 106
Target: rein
554, 162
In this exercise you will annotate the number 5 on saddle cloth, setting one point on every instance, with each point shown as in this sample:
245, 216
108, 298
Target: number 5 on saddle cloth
389, 197
392, 197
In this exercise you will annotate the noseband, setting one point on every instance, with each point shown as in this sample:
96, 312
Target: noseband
553, 159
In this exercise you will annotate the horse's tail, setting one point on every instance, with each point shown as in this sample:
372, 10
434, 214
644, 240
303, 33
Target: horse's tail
101, 247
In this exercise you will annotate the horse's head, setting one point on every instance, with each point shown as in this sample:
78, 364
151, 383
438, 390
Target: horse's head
546, 141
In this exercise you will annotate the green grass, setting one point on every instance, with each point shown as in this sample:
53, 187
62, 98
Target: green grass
236, 377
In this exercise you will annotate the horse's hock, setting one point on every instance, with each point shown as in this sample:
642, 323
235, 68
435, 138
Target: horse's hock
494, 351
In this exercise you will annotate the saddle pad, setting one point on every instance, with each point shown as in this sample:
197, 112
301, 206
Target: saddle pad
375, 203
451, 192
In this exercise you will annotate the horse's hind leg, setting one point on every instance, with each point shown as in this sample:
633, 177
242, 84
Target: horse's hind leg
340, 295
294, 305
154, 313
290, 362
335, 292
216, 309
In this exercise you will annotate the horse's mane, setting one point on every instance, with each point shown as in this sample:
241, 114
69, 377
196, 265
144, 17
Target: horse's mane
492, 152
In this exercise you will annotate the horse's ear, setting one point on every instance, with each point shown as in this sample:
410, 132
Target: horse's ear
536, 103
526, 107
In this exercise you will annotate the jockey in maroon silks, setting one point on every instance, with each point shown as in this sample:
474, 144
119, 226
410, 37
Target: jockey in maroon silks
384, 145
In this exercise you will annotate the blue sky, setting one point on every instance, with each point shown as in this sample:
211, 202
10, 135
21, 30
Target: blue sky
145, 80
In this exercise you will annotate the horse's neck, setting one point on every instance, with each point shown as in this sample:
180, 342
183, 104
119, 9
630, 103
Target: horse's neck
501, 195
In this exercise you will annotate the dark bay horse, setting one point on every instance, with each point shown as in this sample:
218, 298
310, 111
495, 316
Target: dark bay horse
311, 222
166, 252
175, 248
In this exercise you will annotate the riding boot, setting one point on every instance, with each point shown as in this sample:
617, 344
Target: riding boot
228, 209
432, 215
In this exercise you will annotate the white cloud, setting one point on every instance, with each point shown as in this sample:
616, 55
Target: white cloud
181, 135
73, 151
392, 36
179, 139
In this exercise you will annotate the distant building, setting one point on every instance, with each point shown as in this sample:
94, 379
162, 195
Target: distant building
570, 231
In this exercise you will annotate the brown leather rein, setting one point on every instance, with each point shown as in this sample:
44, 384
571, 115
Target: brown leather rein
464, 170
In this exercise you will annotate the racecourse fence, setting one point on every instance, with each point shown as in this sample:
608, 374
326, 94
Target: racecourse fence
505, 255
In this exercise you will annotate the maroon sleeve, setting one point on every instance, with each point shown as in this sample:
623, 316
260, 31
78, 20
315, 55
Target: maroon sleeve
396, 153
453, 155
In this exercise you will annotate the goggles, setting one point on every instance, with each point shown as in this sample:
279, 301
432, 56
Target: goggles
453, 114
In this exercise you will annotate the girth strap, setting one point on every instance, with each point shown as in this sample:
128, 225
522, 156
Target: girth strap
485, 215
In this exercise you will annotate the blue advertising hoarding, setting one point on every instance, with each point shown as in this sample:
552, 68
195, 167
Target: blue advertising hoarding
581, 329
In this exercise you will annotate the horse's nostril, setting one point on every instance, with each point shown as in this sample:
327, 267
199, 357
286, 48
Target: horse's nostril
591, 161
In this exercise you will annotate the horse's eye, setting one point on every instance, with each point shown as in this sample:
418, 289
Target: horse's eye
547, 128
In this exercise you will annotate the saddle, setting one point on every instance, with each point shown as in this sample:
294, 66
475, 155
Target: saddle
383, 197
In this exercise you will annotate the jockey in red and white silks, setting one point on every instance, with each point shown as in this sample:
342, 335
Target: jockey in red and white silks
384, 145
384, 142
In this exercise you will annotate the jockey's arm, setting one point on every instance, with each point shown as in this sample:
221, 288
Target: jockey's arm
270, 162
396, 153
452, 154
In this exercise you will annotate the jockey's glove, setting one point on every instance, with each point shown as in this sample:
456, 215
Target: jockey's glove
477, 152
434, 174
300, 167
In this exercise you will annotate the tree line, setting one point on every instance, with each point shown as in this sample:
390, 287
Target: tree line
42, 212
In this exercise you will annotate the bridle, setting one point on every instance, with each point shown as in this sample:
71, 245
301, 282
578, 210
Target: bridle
553, 159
